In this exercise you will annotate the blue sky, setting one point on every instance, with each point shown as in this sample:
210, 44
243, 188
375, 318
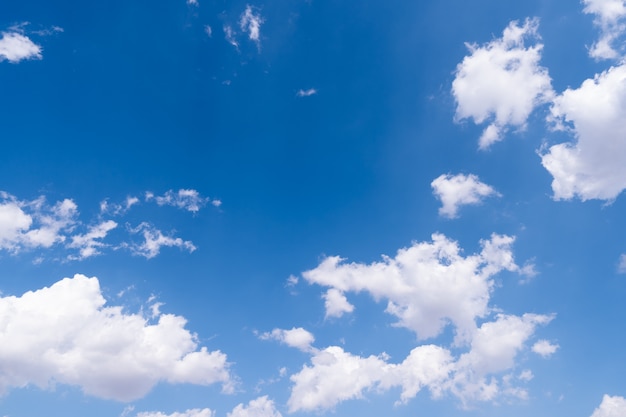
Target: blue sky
248, 209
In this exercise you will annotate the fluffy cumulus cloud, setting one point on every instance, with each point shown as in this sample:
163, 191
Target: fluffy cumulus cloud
593, 166
65, 334
427, 285
196, 412
260, 407
15, 46
455, 191
296, 337
335, 376
501, 82
611, 407
609, 17
544, 348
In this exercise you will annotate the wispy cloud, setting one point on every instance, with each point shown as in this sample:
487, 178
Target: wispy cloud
306, 93
251, 22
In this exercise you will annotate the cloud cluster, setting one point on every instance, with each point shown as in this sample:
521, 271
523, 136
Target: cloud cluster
487, 82
250, 22
186, 199
335, 376
66, 334
427, 287
36, 224
455, 191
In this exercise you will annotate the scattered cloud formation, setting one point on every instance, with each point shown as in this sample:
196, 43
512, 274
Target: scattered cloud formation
298, 338
88, 243
154, 240
65, 334
594, 165
28, 225
260, 407
251, 22
487, 82
229, 35
335, 376
185, 199
118, 209
193, 2
609, 17
306, 93
15, 46
611, 407
427, 286
455, 191
196, 412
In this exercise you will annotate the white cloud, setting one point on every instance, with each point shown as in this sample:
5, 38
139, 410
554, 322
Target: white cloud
32, 224
251, 22
193, 2
64, 334
611, 407
427, 285
196, 412
502, 82
455, 191
15, 47
208, 30
298, 338
154, 240
89, 243
594, 165
118, 209
260, 407
306, 93
229, 35
185, 199
544, 348
336, 303
493, 350
334, 376
609, 17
